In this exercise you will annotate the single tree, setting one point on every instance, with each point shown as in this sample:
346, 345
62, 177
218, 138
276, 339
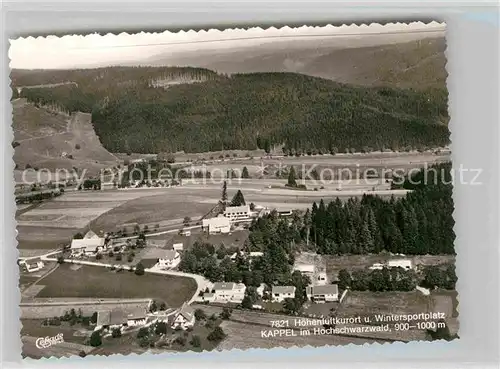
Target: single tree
226, 313
292, 182
161, 328
344, 278
95, 339
139, 269
199, 314
238, 199
244, 173
216, 335
224, 193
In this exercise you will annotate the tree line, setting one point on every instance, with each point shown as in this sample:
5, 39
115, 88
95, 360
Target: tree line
244, 111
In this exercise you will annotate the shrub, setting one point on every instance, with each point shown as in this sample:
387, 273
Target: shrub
143, 332
139, 269
199, 314
77, 146
216, 335
116, 333
180, 340
95, 339
161, 328
195, 341
226, 313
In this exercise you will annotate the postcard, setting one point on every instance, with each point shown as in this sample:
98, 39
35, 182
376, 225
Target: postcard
233, 189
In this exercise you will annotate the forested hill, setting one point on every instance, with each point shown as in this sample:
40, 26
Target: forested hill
169, 109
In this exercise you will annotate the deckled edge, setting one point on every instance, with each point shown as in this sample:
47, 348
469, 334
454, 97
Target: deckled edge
216, 351
10, 200
450, 88
353, 26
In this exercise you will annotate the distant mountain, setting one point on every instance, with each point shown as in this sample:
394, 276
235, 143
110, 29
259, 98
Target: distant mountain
152, 110
394, 62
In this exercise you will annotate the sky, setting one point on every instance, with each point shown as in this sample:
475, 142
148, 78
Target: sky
76, 51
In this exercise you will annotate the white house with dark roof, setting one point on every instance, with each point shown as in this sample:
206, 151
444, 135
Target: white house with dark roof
110, 319
280, 293
89, 245
170, 259
306, 269
184, 318
228, 292
326, 293
238, 213
136, 317
32, 265
216, 225
400, 263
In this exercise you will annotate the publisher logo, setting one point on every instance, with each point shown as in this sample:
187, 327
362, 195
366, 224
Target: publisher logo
46, 342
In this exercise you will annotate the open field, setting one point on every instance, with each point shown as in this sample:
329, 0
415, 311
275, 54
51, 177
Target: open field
53, 223
30, 122
156, 206
34, 328
65, 349
357, 303
245, 336
235, 239
244, 331
97, 282
44, 309
42, 239
368, 304
352, 262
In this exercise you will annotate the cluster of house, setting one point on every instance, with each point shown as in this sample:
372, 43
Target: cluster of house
234, 215
183, 318
31, 265
230, 292
320, 290
406, 264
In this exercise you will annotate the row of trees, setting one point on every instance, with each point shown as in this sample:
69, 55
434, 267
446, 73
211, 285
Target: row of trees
378, 280
247, 111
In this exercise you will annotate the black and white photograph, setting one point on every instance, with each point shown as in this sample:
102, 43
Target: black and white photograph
233, 188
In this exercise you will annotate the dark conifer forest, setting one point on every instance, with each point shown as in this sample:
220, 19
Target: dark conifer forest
151, 110
420, 223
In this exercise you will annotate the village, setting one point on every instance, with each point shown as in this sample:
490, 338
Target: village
134, 248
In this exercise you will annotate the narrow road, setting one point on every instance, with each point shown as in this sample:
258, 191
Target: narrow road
157, 233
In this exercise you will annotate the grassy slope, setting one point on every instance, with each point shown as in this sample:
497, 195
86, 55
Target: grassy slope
44, 136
